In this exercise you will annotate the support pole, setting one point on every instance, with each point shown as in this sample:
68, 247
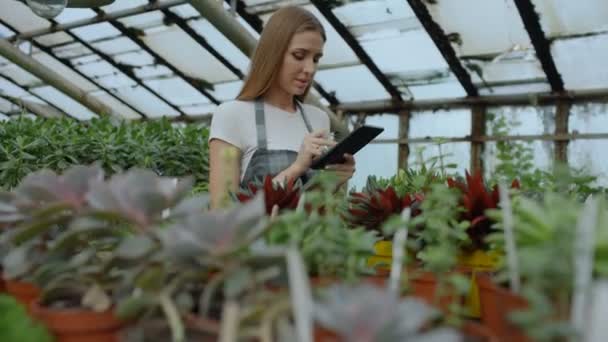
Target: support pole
404, 148
52, 78
478, 130
561, 127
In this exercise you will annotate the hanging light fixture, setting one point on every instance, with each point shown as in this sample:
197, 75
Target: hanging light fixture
47, 8
51, 8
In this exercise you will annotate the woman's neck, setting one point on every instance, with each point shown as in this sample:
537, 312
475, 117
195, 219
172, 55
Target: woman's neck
280, 99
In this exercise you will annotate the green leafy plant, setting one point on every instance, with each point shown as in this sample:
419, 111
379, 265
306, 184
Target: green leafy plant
30, 145
17, 325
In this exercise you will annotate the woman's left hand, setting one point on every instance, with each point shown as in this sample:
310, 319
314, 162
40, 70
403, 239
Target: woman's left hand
345, 170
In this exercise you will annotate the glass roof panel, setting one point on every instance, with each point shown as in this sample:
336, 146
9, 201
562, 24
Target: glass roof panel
71, 51
73, 14
177, 91
227, 91
65, 103
6, 106
3, 117
146, 102
582, 61
5, 31
120, 5
182, 51
101, 68
450, 89
54, 39
185, 11
199, 109
485, 26
10, 89
116, 81
21, 17
361, 85
96, 31
116, 46
120, 108
415, 49
138, 58
153, 71
220, 43
566, 17
19, 75
144, 20
64, 71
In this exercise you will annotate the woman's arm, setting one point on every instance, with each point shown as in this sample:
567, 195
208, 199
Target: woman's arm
224, 171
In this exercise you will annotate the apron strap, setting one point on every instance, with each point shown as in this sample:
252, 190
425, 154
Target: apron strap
260, 123
308, 126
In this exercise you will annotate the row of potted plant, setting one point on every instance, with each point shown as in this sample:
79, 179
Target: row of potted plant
28, 145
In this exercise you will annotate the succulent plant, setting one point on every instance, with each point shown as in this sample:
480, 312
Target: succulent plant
366, 313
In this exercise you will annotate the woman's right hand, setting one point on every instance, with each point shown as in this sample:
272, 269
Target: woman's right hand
313, 146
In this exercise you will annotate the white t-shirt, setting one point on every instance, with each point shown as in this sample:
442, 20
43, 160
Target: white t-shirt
234, 123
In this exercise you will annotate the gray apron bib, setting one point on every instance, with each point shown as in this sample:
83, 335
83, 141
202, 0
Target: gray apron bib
270, 162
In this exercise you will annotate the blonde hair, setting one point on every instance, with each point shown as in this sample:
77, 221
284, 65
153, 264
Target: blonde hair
271, 49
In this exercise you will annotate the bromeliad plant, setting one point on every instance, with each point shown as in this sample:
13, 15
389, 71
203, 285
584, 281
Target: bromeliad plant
367, 313
376, 204
476, 200
285, 196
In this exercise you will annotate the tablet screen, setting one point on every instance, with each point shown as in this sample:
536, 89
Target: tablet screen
355, 141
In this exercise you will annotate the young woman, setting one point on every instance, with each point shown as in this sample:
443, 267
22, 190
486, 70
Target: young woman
270, 127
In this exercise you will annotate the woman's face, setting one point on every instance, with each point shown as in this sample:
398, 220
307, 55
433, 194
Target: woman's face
300, 62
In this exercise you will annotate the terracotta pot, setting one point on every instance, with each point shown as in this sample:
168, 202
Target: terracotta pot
475, 332
321, 334
424, 285
496, 305
24, 292
79, 325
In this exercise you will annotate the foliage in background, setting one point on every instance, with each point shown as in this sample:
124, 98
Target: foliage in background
29, 145
17, 325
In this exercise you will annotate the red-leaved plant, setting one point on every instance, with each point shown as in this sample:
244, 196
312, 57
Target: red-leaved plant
373, 207
476, 199
284, 196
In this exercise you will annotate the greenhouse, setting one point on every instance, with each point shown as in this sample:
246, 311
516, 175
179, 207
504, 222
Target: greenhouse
129, 213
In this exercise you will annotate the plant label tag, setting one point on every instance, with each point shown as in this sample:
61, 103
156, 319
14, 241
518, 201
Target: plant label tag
584, 248
597, 329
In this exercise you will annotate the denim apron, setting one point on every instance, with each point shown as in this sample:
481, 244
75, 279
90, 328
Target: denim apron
270, 162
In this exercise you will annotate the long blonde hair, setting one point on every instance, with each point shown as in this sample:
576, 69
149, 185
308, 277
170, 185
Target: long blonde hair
268, 56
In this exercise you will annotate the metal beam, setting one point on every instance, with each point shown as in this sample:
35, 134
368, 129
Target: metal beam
99, 18
230, 27
541, 44
387, 106
53, 78
195, 83
175, 19
20, 102
485, 138
562, 113
443, 44
357, 49
65, 62
256, 23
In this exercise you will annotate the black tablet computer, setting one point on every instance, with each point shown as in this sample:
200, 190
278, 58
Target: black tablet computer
355, 141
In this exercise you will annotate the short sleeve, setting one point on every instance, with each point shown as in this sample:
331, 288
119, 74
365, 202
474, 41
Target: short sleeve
225, 126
